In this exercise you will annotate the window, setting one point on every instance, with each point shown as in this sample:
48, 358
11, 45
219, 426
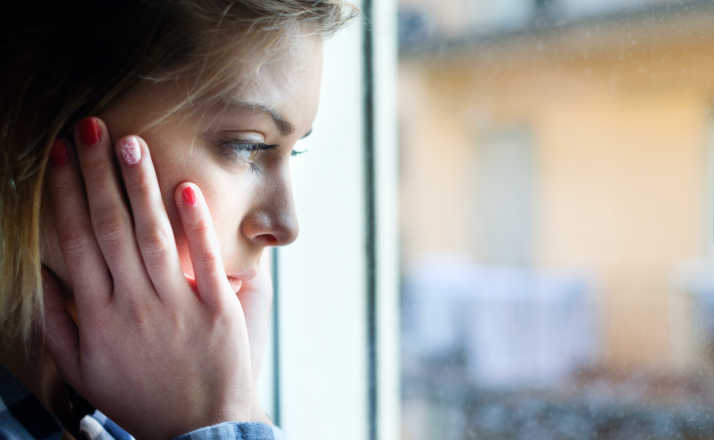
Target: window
334, 356
550, 275
504, 170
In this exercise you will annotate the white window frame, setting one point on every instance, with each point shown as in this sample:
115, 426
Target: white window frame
332, 370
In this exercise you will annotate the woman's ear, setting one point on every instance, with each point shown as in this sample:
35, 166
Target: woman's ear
59, 328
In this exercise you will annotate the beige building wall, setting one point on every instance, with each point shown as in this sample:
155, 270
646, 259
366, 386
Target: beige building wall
619, 128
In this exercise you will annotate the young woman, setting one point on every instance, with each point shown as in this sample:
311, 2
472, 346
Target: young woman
145, 169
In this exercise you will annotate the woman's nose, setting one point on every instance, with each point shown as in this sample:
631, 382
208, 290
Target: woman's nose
272, 221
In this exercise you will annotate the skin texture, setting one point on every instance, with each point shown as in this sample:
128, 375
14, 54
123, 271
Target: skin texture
147, 344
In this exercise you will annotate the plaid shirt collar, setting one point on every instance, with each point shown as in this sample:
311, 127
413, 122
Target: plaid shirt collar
23, 417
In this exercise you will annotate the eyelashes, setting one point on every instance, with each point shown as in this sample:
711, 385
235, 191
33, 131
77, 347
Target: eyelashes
250, 152
245, 150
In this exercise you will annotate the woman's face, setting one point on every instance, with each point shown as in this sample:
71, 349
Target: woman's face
248, 192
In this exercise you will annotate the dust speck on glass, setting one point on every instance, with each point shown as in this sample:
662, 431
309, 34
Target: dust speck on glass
557, 219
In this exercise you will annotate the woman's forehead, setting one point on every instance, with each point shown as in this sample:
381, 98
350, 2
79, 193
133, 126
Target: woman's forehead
287, 87
287, 68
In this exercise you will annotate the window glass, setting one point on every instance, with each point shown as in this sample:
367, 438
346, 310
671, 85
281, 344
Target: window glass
556, 219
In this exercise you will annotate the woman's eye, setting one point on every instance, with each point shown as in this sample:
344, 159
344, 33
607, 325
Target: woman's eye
298, 152
248, 151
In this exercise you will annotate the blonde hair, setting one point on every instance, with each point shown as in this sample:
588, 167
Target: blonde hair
65, 63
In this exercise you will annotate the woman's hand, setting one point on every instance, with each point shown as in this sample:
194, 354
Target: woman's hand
157, 355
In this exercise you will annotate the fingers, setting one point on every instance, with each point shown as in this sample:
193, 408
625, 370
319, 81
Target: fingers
110, 219
152, 227
203, 246
92, 284
128, 248
59, 331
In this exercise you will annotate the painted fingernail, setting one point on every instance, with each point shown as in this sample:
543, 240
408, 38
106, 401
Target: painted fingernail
189, 196
89, 131
58, 154
129, 150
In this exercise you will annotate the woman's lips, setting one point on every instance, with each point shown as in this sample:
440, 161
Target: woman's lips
237, 280
235, 283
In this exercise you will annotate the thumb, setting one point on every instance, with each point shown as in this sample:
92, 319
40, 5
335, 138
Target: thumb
59, 331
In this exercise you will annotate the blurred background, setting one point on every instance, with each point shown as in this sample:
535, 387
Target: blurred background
556, 218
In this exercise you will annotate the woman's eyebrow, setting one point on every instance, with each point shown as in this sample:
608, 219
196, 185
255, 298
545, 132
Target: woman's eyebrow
285, 127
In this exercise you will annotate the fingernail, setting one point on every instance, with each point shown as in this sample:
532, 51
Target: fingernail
189, 196
129, 150
58, 154
89, 131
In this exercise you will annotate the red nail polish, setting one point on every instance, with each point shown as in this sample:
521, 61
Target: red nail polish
58, 154
189, 197
89, 131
